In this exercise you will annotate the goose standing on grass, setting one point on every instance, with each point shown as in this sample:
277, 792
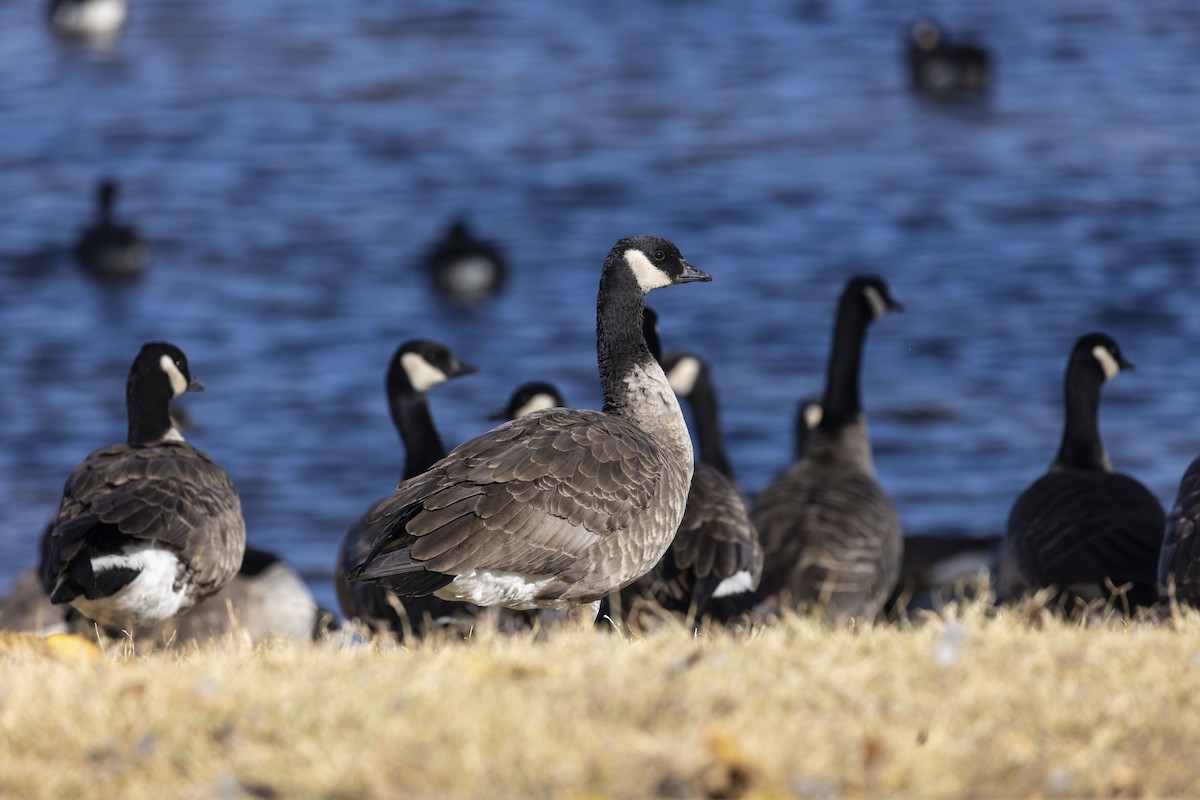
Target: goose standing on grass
416, 367
716, 551
1081, 525
465, 268
107, 249
558, 508
938, 66
1179, 562
87, 19
831, 536
148, 528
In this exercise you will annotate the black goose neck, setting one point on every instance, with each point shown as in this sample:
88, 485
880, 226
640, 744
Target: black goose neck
1081, 446
148, 405
620, 344
842, 403
410, 415
703, 402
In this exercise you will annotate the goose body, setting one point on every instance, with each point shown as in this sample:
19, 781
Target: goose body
716, 551
560, 507
416, 367
939, 66
148, 528
1179, 562
1081, 525
831, 536
87, 19
107, 249
464, 267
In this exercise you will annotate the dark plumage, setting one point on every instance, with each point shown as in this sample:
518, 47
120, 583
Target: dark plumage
560, 507
107, 249
939, 66
1082, 525
416, 367
716, 551
148, 528
1179, 562
831, 536
465, 268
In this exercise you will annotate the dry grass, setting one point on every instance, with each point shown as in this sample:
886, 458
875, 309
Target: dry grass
966, 704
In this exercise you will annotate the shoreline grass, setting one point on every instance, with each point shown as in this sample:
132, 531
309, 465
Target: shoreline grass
968, 703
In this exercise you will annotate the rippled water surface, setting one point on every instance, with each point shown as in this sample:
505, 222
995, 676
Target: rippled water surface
291, 162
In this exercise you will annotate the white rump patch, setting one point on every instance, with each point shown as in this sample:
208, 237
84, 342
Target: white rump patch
879, 306
179, 384
421, 374
539, 402
737, 583
648, 276
683, 375
150, 598
486, 588
1107, 362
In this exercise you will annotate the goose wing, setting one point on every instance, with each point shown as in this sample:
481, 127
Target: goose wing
532, 496
1080, 526
1180, 559
169, 493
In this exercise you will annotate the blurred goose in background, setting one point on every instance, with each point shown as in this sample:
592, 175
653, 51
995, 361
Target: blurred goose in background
266, 600
1082, 526
465, 268
148, 528
716, 551
558, 508
934, 566
87, 19
530, 397
831, 536
417, 366
106, 249
1179, 562
939, 66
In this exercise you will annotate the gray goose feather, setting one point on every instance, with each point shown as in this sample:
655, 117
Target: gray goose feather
831, 536
148, 528
562, 506
417, 366
1179, 564
716, 551
1081, 525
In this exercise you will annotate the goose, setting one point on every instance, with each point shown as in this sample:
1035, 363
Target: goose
106, 249
831, 536
87, 19
466, 268
938, 66
148, 528
558, 508
267, 599
808, 417
530, 397
1081, 525
716, 551
1179, 562
417, 366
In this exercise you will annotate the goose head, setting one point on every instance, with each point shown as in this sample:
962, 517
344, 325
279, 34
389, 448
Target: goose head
421, 364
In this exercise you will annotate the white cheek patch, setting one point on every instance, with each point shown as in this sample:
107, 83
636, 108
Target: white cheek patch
812, 415
421, 374
1107, 362
539, 402
648, 276
179, 384
879, 306
683, 375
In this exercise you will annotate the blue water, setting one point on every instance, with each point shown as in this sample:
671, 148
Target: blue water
291, 162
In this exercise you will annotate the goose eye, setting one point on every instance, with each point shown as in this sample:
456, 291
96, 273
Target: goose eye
659, 255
